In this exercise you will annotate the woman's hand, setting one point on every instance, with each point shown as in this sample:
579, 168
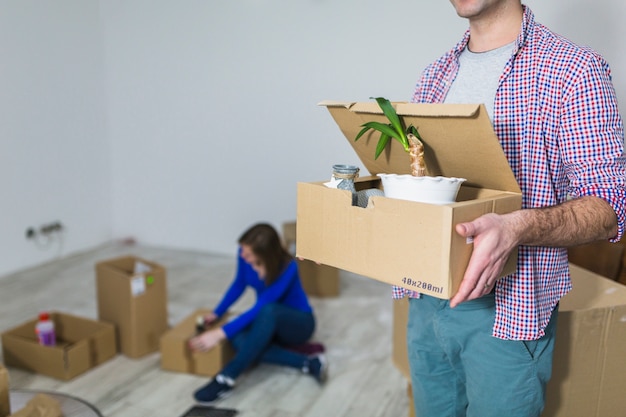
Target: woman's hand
207, 340
209, 318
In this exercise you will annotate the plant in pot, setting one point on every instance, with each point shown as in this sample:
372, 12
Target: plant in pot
417, 186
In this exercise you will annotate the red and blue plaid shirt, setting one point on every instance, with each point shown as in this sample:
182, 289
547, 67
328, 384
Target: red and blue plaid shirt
556, 115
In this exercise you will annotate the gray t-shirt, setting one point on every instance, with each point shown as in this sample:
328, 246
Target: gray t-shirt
479, 76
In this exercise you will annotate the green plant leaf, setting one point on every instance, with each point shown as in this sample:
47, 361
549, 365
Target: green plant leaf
393, 118
362, 132
395, 129
404, 143
412, 129
382, 128
382, 144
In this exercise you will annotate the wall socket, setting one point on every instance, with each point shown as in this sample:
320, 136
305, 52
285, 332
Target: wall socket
44, 230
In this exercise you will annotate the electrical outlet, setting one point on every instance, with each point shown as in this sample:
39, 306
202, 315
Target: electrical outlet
44, 230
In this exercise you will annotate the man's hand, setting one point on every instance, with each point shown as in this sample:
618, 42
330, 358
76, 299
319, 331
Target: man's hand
493, 243
207, 340
574, 222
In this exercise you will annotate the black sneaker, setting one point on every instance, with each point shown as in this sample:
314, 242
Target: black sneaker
318, 368
218, 388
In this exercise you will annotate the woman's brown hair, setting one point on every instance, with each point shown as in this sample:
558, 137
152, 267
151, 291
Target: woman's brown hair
265, 243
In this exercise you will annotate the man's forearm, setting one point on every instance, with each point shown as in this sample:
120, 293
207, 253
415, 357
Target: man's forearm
574, 222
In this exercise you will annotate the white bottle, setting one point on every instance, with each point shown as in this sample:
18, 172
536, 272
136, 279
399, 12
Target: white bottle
45, 330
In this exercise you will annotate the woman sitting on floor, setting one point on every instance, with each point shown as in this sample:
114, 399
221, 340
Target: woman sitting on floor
281, 317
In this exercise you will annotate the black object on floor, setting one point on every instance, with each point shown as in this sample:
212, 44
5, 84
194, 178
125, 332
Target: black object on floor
208, 411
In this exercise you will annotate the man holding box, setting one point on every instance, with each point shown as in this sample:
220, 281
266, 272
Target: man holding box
488, 350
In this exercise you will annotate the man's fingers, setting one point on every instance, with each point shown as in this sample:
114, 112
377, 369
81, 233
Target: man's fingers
463, 294
465, 229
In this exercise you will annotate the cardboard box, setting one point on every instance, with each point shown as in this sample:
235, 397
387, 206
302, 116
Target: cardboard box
176, 355
409, 392
399, 349
132, 294
81, 345
589, 364
41, 405
5, 405
409, 244
317, 280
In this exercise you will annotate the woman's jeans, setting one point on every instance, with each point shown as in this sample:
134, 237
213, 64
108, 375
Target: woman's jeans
459, 369
275, 327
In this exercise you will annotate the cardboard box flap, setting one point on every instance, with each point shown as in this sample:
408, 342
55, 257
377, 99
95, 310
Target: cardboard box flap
459, 141
592, 291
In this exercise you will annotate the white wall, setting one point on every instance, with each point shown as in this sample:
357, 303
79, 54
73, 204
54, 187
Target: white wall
598, 24
208, 107
219, 101
54, 150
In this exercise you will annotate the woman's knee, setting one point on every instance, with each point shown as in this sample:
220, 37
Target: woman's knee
268, 312
239, 340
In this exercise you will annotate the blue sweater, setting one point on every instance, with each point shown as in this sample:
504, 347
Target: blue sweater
286, 290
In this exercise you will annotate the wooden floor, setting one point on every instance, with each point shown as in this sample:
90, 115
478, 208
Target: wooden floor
355, 327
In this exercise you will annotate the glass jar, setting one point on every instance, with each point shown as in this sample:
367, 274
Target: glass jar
346, 174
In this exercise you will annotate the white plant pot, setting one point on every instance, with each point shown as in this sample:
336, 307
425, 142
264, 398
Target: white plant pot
434, 190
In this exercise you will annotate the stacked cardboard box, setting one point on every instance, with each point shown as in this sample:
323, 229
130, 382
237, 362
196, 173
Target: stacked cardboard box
401, 242
317, 280
132, 294
176, 355
589, 366
81, 345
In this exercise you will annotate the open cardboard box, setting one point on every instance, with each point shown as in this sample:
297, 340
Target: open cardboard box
132, 294
81, 345
176, 355
589, 366
409, 244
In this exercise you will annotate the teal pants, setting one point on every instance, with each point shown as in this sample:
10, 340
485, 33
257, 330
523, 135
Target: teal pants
458, 369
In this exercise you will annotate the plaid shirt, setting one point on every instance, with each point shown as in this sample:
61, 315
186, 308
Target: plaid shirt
556, 115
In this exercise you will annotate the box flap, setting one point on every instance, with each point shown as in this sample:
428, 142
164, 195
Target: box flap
592, 291
459, 141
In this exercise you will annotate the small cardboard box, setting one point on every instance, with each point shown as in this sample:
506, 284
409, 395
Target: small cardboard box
409, 244
132, 294
81, 345
41, 405
588, 362
317, 280
5, 405
176, 355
